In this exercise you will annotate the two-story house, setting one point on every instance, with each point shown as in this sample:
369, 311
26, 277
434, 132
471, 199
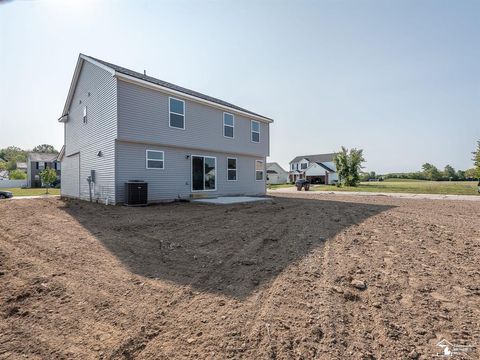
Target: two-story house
125, 125
36, 163
318, 169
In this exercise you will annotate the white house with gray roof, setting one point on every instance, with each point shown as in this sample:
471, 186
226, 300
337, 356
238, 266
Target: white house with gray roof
126, 125
318, 169
276, 174
36, 163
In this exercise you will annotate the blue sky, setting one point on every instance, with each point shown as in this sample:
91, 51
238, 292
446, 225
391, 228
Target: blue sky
399, 79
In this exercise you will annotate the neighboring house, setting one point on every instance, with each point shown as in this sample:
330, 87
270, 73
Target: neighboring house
36, 163
22, 166
276, 174
122, 125
319, 169
4, 175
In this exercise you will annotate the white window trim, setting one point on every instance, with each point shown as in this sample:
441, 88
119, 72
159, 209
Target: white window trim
232, 126
146, 159
257, 132
263, 170
191, 173
236, 168
85, 115
172, 112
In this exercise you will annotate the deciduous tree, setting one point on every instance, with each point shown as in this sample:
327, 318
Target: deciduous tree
431, 172
449, 172
476, 160
349, 164
45, 148
48, 176
17, 175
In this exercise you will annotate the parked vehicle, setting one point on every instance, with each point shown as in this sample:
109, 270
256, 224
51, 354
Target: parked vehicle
302, 183
5, 194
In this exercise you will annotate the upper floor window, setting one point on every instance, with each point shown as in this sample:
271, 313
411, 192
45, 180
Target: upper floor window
259, 170
231, 169
303, 166
293, 166
177, 113
255, 127
84, 114
154, 159
228, 125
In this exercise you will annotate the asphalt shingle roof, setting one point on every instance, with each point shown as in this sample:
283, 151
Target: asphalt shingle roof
325, 167
171, 86
315, 158
47, 157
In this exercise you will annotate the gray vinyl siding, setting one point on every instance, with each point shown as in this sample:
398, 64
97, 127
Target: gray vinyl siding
143, 116
174, 180
98, 134
71, 172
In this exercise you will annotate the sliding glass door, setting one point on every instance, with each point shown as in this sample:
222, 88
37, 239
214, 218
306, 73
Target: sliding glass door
204, 170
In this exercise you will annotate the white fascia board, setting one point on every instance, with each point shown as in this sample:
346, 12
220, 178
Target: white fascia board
180, 94
73, 84
99, 64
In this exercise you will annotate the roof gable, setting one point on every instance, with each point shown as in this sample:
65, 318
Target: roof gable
127, 74
325, 167
315, 158
275, 165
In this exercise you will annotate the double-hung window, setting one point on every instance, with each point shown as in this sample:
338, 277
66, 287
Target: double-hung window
228, 125
255, 129
177, 113
154, 159
231, 169
259, 169
303, 166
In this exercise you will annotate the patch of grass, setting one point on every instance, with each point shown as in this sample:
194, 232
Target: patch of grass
415, 187
279, 186
403, 180
32, 192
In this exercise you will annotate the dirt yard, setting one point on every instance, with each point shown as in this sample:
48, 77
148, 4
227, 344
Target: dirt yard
323, 277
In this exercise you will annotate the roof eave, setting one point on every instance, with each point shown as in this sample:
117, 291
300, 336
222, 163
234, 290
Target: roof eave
73, 84
167, 90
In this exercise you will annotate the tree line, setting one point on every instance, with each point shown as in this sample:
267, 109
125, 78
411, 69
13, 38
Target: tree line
349, 165
432, 173
11, 155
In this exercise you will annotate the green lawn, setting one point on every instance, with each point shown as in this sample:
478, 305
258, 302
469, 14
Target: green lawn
278, 186
402, 186
415, 187
31, 192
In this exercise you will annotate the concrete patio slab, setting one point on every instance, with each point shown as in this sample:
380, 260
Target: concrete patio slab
229, 200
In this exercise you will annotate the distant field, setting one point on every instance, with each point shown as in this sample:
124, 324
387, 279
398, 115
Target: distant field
402, 186
403, 180
31, 192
